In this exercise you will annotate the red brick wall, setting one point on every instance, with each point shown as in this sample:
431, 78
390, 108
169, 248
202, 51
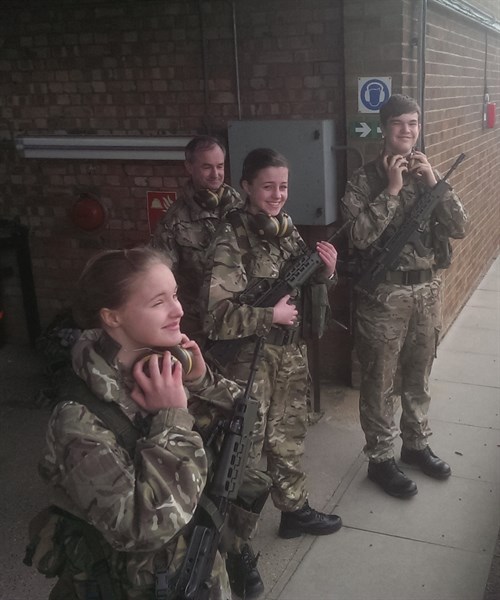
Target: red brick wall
144, 68
141, 69
455, 83
460, 56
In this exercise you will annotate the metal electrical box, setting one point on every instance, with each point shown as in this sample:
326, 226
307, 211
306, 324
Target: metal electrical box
308, 145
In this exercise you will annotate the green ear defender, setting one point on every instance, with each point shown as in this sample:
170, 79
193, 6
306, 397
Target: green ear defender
272, 227
209, 199
179, 354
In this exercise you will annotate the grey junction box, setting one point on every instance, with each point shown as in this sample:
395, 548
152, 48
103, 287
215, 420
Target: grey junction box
308, 146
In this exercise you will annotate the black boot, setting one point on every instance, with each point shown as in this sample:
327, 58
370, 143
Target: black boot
244, 577
430, 464
307, 520
391, 479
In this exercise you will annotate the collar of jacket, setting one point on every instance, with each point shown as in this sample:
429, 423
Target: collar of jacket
107, 347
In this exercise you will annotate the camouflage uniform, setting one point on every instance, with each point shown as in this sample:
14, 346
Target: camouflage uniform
142, 506
240, 258
185, 233
398, 324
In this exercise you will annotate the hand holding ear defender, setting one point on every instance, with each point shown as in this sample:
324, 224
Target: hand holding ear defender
179, 354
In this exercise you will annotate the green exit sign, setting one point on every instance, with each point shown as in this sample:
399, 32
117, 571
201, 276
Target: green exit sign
365, 129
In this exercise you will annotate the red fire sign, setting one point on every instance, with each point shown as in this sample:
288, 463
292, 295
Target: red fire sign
157, 204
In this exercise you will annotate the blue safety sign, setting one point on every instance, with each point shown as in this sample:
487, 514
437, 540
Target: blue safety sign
373, 92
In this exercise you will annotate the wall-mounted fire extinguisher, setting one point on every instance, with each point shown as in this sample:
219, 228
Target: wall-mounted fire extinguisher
489, 112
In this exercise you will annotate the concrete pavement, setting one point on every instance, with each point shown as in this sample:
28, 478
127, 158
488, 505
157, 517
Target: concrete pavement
437, 545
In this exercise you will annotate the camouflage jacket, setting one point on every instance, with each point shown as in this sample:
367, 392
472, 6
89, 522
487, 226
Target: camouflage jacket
238, 259
142, 505
185, 233
376, 214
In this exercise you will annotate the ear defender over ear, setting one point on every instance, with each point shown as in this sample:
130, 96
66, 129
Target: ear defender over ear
272, 227
209, 199
179, 354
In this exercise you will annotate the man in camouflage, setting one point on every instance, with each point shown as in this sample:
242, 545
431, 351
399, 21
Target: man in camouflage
184, 234
240, 258
187, 228
397, 326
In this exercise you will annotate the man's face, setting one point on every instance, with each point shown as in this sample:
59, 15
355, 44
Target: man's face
401, 133
207, 168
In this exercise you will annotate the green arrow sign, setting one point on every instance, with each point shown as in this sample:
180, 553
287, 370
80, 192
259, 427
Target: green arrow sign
365, 129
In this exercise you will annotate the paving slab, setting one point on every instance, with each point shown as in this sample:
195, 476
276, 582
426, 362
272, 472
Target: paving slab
477, 340
467, 367
441, 512
491, 281
484, 298
471, 317
473, 452
372, 566
464, 403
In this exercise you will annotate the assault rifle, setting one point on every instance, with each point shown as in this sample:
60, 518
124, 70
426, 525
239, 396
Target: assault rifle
192, 581
409, 233
264, 294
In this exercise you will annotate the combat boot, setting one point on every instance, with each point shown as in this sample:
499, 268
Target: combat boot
391, 479
307, 520
430, 464
244, 578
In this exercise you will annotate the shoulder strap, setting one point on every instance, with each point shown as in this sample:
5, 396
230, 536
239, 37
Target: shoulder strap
375, 183
110, 414
235, 219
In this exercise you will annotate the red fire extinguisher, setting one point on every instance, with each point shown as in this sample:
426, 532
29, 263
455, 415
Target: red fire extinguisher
489, 112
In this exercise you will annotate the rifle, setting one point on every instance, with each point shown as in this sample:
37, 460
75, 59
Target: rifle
409, 232
264, 294
192, 581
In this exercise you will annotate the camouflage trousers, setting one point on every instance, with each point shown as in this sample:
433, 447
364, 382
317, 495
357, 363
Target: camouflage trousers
281, 386
396, 335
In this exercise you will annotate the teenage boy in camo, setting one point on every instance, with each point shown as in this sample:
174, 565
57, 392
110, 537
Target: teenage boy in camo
398, 324
187, 228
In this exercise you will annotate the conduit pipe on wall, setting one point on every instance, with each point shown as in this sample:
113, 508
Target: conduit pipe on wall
236, 59
204, 60
204, 55
421, 70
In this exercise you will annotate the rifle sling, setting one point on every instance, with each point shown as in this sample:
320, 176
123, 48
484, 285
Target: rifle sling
212, 511
126, 435
110, 414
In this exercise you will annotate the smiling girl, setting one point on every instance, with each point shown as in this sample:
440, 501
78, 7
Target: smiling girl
140, 505
250, 251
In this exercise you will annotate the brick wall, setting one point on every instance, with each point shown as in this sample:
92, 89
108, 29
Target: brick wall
149, 68
455, 85
460, 57
163, 68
